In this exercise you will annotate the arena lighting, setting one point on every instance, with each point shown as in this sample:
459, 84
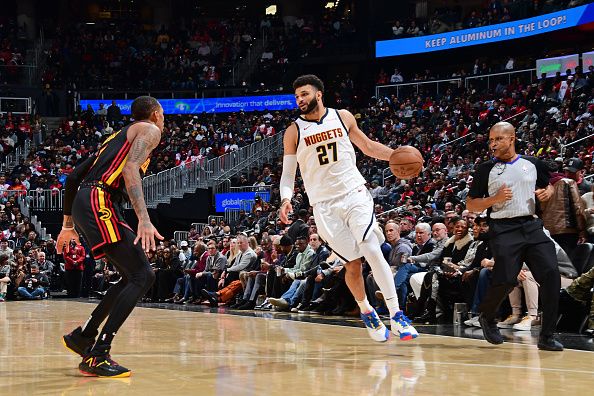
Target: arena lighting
522, 28
271, 10
331, 4
90, 23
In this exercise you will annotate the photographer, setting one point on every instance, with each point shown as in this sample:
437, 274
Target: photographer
34, 284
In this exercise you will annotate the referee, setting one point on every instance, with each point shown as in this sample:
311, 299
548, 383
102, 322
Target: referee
508, 186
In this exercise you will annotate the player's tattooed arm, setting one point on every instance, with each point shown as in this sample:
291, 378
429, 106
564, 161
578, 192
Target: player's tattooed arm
143, 144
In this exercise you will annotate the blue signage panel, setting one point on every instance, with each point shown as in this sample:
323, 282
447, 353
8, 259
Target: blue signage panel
208, 105
487, 34
233, 200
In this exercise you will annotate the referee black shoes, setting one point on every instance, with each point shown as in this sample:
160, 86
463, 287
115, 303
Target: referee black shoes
490, 330
77, 342
549, 343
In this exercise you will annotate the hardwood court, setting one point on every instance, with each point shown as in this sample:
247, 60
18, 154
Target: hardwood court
176, 352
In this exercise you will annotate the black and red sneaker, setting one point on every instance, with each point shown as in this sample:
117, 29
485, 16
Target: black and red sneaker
77, 342
98, 363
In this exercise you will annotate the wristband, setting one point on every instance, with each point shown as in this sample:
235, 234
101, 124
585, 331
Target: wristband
67, 228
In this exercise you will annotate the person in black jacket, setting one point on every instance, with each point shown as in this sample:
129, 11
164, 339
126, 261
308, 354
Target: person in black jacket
34, 284
320, 256
299, 226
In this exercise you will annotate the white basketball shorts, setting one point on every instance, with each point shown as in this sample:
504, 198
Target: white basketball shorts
346, 221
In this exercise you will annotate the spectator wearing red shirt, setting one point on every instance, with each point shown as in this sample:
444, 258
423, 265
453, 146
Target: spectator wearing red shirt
74, 267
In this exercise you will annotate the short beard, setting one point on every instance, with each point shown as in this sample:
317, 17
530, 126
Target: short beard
311, 106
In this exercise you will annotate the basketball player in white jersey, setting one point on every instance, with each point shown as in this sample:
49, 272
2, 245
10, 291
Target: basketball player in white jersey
320, 142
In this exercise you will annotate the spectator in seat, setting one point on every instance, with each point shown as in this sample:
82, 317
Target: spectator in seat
423, 244
185, 253
5, 250
588, 205
114, 114
439, 233
74, 267
303, 262
274, 279
580, 291
46, 267
398, 247
245, 256
527, 284
321, 254
34, 284
167, 270
299, 226
563, 214
4, 276
215, 265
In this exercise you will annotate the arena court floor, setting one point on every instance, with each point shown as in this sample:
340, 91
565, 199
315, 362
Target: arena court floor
175, 352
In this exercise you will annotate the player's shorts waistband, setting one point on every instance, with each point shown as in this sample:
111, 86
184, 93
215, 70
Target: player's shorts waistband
99, 184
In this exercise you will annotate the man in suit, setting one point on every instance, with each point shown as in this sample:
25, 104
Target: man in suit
423, 244
299, 228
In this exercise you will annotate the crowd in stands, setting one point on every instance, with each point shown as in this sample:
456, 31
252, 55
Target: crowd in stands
449, 18
289, 41
12, 50
127, 55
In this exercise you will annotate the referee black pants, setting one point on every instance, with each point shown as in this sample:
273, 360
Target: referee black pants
514, 242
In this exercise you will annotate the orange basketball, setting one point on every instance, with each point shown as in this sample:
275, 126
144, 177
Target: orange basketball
406, 162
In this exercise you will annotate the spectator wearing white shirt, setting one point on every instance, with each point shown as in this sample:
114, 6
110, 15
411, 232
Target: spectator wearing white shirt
396, 77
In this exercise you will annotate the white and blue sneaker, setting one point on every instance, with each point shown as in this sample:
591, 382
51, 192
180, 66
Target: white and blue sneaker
402, 327
375, 327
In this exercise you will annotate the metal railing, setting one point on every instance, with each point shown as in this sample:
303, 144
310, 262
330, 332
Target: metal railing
163, 186
13, 158
199, 227
231, 215
564, 146
179, 236
487, 81
45, 199
408, 88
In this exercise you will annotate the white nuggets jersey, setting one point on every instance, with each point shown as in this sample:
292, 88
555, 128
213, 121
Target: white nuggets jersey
326, 158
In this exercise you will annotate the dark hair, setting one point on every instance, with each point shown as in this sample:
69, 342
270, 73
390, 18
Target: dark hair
301, 238
310, 79
143, 107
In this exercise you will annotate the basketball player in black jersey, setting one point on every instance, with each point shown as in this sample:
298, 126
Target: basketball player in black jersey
95, 191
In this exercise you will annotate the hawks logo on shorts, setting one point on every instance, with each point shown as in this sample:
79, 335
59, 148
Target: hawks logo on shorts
105, 214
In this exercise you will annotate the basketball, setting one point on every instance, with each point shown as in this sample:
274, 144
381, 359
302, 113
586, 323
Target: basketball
406, 162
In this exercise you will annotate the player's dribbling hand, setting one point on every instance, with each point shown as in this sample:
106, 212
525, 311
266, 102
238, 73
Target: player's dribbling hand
63, 241
504, 193
147, 234
285, 209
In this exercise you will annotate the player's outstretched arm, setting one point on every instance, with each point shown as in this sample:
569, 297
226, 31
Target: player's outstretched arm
287, 180
144, 138
368, 146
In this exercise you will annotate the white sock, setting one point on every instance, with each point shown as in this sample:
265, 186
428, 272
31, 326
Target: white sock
364, 306
381, 271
